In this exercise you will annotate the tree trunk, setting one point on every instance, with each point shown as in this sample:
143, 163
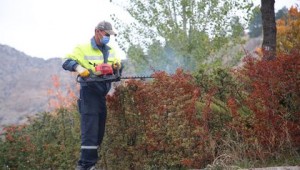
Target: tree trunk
269, 29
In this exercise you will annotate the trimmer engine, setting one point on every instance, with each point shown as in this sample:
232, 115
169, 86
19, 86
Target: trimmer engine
104, 69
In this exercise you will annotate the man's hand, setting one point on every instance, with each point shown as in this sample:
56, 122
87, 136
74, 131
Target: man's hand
116, 65
83, 72
117, 68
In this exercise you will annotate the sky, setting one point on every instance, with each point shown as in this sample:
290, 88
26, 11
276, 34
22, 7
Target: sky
52, 28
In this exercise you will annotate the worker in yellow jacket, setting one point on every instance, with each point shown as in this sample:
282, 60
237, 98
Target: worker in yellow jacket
92, 100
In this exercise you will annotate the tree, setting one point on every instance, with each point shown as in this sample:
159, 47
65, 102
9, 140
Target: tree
288, 34
255, 25
137, 58
269, 29
193, 29
283, 12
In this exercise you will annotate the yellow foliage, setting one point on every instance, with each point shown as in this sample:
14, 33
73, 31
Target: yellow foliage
259, 52
294, 12
288, 32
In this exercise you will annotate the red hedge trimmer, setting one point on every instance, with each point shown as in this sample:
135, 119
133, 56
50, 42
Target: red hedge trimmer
105, 73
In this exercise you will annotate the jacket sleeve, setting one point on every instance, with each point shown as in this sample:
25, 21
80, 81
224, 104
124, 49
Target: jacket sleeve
69, 65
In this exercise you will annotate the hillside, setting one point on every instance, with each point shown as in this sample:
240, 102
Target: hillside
24, 83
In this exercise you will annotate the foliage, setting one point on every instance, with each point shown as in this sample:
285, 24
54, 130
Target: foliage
281, 13
255, 24
48, 142
273, 99
244, 117
217, 118
59, 98
140, 61
162, 59
192, 30
288, 32
159, 124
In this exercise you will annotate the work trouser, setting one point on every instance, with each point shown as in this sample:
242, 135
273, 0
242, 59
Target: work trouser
92, 108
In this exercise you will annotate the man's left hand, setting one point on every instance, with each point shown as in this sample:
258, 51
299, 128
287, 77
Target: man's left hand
116, 66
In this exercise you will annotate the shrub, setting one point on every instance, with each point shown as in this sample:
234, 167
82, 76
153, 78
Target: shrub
273, 97
47, 142
155, 125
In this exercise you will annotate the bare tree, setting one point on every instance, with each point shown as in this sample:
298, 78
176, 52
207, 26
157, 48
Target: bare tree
269, 29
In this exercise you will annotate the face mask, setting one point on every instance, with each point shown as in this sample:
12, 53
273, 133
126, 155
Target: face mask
105, 40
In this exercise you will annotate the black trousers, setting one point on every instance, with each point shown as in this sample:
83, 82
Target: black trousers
92, 108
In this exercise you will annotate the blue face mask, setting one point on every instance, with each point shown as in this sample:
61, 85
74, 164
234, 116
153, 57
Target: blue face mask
105, 39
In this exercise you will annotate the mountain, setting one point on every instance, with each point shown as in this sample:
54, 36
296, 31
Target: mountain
25, 82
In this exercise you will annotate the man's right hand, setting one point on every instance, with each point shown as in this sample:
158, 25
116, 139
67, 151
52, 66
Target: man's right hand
83, 72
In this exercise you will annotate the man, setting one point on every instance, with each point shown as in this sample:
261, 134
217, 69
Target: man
92, 101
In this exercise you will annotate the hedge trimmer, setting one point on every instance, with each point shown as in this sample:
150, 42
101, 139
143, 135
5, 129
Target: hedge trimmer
105, 73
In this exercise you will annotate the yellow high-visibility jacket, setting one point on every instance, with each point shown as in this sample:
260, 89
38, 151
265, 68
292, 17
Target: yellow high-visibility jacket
89, 55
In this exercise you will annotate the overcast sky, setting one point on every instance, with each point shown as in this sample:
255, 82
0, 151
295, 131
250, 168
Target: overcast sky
51, 28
